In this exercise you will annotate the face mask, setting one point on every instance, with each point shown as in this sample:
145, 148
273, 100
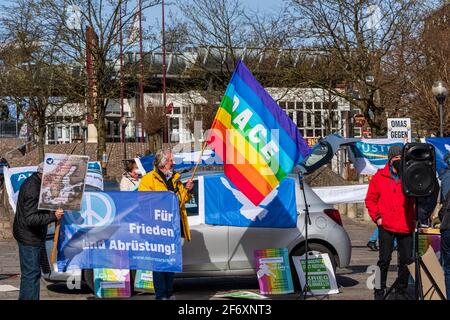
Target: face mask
396, 165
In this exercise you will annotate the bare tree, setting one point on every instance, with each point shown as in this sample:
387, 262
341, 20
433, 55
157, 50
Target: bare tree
33, 80
218, 34
155, 119
431, 63
359, 37
93, 41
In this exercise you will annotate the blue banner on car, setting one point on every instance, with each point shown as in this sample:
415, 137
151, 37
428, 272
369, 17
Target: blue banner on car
226, 205
122, 230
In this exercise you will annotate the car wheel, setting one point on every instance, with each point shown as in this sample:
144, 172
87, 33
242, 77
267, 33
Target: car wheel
88, 277
299, 251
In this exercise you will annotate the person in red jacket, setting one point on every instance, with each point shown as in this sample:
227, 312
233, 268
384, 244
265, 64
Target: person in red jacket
393, 213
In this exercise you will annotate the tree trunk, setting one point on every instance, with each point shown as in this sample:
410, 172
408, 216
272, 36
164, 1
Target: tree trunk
101, 138
41, 140
155, 142
101, 129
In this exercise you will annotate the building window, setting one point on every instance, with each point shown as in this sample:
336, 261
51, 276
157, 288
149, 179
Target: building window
317, 133
317, 119
116, 128
300, 119
308, 119
291, 105
291, 115
51, 133
76, 133
59, 132
174, 123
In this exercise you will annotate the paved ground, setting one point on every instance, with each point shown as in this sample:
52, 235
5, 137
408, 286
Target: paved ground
352, 280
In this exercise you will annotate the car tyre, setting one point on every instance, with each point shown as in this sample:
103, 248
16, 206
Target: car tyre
300, 250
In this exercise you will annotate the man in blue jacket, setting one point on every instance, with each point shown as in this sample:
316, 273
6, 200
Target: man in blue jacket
30, 230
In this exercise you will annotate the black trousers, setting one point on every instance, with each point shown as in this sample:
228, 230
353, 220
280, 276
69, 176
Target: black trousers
405, 255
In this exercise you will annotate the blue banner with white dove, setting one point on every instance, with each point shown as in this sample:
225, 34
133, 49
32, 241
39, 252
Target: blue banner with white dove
441, 147
226, 205
369, 155
122, 230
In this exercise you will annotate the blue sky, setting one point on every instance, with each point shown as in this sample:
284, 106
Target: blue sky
155, 12
263, 6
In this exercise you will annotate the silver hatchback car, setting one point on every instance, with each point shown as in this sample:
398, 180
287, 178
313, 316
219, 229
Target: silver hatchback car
217, 250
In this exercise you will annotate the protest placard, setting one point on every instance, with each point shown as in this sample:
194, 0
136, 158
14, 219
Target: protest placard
112, 283
273, 271
14, 177
321, 277
63, 181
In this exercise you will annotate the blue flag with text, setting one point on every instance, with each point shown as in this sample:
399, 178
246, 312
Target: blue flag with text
122, 230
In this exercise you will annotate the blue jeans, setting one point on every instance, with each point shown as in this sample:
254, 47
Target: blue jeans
374, 237
30, 271
163, 283
445, 256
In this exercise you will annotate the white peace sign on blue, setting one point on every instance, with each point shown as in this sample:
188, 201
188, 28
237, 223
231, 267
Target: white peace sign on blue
97, 210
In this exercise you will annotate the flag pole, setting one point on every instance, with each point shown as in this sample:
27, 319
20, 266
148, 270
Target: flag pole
122, 134
141, 71
199, 159
55, 243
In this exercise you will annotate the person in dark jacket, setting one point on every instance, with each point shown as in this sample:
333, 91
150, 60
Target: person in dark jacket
393, 213
444, 176
30, 230
444, 216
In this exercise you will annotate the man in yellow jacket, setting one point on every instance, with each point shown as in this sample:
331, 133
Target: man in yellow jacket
163, 178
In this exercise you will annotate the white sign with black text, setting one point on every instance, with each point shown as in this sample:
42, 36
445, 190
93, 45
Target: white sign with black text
399, 128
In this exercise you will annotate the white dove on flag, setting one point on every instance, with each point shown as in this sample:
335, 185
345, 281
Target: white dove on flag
249, 210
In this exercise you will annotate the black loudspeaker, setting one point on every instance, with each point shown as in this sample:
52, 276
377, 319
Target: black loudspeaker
418, 169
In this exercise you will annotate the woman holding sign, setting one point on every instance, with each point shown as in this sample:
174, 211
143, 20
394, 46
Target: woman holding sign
163, 178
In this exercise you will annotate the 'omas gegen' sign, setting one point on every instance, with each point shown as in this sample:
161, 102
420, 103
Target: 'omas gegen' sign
399, 128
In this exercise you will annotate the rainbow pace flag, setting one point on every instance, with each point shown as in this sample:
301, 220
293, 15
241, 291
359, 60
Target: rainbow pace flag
256, 140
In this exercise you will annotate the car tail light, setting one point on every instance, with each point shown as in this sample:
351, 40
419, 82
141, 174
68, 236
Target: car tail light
334, 215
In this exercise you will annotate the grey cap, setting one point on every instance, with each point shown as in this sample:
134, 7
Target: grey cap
40, 168
394, 151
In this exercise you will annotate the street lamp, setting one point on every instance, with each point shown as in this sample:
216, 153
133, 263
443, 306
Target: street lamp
440, 91
83, 125
123, 125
